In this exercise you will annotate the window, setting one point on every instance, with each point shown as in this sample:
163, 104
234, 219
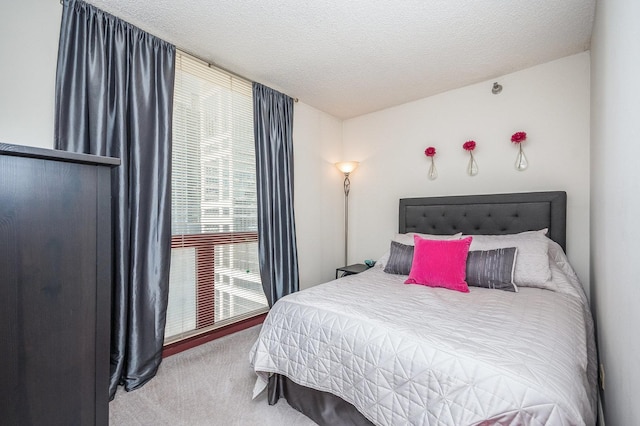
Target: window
214, 278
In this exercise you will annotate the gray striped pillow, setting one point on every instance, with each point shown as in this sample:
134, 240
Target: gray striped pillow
400, 259
492, 268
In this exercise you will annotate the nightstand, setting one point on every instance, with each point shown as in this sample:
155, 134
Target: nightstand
351, 269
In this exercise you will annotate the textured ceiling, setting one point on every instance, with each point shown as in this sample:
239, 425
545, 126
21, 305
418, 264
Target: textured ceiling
351, 57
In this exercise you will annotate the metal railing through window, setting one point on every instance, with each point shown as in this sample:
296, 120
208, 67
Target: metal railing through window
215, 281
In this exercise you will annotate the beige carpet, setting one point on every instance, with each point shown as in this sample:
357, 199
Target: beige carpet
208, 385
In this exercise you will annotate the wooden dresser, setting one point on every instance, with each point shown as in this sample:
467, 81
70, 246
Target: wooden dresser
55, 286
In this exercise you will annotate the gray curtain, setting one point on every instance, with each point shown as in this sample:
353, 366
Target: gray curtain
114, 95
273, 129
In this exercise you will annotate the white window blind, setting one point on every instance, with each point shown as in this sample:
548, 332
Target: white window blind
214, 278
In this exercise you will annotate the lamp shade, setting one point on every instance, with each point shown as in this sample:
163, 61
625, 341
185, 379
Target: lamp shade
347, 166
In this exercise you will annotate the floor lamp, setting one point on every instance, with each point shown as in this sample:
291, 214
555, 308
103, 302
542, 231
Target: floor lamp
346, 167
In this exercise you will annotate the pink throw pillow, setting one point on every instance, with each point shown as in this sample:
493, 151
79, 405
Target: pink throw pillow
439, 263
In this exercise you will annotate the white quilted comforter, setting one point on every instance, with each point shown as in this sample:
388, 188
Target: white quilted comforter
409, 354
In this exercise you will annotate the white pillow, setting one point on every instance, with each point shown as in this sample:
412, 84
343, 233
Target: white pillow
407, 240
532, 263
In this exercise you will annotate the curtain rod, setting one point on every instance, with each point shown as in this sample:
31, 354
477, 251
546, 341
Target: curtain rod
209, 64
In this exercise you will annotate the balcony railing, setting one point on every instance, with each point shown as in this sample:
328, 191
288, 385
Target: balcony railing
236, 285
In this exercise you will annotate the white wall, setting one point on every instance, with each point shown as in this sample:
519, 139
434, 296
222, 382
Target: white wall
615, 204
550, 102
317, 144
28, 48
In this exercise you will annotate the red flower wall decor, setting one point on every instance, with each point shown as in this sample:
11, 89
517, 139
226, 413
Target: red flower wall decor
521, 159
472, 167
469, 145
433, 172
519, 137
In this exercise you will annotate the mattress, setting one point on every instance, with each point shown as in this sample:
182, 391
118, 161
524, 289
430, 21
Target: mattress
409, 354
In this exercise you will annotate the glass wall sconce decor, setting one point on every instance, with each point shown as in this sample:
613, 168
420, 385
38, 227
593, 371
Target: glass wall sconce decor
433, 172
521, 160
472, 167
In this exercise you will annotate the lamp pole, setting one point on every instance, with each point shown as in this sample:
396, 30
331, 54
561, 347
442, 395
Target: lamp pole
347, 187
346, 167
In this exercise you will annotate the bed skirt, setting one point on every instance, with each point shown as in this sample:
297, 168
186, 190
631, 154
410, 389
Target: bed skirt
323, 408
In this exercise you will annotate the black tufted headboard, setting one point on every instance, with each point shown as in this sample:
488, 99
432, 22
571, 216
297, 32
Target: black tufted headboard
487, 214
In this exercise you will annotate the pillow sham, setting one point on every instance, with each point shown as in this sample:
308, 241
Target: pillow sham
492, 268
532, 262
407, 239
440, 263
400, 259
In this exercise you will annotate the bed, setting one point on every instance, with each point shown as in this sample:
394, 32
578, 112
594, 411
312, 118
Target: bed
370, 349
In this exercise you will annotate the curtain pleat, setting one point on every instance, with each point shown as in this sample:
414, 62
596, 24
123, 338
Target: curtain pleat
114, 97
273, 130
